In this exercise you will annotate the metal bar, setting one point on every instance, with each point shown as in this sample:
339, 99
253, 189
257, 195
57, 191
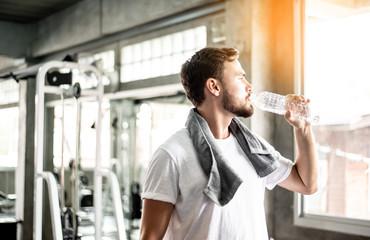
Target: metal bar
117, 204
53, 90
57, 91
97, 176
62, 203
39, 143
54, 205
75, 173
88, 92
69, 101
20, 170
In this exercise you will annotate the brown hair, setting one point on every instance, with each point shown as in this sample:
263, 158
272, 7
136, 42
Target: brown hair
204, 64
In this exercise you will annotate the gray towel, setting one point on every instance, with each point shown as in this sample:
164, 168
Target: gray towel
223, 182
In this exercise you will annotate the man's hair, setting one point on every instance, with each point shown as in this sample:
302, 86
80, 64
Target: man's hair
204, 64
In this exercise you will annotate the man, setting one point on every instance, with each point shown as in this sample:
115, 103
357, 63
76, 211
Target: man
208, 180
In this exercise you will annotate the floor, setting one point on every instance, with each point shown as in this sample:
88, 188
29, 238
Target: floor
109, 228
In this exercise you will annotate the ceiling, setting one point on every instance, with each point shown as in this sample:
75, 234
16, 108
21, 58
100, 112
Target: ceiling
28, 11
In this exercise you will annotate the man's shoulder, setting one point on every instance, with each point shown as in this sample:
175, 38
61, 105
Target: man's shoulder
179, 138
178, 143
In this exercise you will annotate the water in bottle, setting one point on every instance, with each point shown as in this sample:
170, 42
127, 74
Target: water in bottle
276, 103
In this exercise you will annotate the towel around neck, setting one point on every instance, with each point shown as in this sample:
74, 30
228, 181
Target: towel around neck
223, 182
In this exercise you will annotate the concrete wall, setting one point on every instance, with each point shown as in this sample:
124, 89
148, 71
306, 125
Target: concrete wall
75, 25
118, 15
84, 22
15, 39
93, 19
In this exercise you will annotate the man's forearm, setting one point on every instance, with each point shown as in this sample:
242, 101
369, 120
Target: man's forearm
307, 161
155, 219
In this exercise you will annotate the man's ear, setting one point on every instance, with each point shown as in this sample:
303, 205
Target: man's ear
213, 86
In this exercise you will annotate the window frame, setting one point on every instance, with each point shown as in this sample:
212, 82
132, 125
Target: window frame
301, 218
329, 223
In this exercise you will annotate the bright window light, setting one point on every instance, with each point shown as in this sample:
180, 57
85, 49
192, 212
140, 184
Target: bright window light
9, 137
160, 56
9, 92
337, 76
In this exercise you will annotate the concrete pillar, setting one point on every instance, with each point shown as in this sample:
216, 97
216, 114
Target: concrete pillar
25, 169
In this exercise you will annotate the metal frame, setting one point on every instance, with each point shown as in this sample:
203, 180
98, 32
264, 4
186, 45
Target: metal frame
40, 174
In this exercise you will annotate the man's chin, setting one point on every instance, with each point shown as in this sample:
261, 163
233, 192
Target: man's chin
246, 114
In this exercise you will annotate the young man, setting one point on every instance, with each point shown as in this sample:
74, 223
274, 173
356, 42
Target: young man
207, 181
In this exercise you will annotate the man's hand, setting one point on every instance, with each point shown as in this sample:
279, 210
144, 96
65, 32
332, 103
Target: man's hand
296, 106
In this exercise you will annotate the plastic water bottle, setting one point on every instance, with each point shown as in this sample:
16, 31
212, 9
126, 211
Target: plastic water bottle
276, 103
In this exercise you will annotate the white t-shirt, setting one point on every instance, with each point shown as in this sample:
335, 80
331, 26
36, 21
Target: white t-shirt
175, 175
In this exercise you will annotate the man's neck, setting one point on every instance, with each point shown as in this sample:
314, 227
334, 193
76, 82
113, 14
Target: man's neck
218, 120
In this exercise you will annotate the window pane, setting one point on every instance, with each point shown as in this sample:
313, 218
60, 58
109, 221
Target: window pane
189, 37
146, 66
166, 45
136, 70
177, 40
178, 60
9, 92
337, 76
161, 56
127, 54
166, 65
156, 47
200, 37
146, 50
137, 52
9, 137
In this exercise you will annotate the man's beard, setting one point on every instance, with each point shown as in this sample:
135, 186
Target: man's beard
239, 108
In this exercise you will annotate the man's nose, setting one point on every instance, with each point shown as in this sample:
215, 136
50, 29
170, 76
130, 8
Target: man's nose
249, 87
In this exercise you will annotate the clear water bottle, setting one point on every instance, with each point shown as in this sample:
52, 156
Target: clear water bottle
276, 103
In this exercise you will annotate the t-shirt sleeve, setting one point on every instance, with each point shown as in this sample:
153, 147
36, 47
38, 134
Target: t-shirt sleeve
161, 182
282, 172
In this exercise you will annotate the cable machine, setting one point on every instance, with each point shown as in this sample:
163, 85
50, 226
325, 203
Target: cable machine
43, 88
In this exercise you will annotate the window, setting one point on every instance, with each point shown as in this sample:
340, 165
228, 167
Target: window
89, 111
9, 137
9, 96
337, 73
9, 92
104, 61
160, 56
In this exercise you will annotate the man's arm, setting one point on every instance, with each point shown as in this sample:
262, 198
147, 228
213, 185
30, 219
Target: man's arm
155, 219
304, 174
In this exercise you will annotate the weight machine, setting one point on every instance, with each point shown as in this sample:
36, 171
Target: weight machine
43, 88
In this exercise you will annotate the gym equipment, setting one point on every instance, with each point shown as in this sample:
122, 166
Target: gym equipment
52, 86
